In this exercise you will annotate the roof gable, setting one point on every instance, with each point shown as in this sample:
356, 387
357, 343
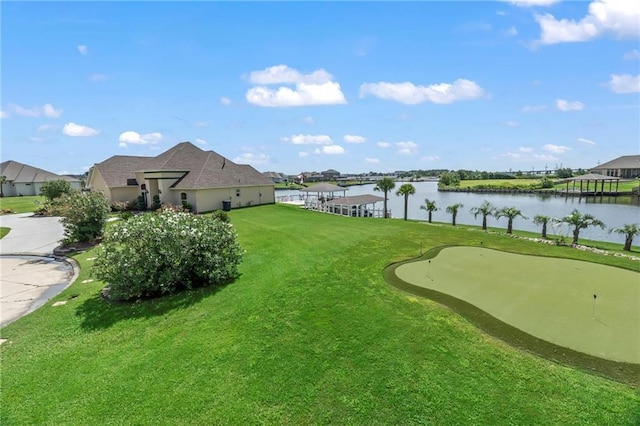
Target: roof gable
24, 173
624, 162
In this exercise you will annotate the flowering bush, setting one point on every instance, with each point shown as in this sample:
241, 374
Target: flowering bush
165, 252
83, 215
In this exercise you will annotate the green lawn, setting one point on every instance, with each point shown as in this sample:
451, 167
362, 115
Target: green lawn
623, 186
25, 204
496, 182
310, 333
4, 231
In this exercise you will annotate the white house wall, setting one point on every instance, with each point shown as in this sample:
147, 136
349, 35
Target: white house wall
211, 199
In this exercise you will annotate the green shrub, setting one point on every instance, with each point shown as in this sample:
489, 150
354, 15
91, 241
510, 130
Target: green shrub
166, 252
142, 205
126, 215
55, 189
221, 215
156, 204
83, 215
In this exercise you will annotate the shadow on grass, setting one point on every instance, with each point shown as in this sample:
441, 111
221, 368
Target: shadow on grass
97, 313
619, 371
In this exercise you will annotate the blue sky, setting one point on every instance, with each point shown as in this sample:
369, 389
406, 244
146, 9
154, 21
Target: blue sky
301, 86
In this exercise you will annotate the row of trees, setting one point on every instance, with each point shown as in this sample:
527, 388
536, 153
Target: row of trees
575, 220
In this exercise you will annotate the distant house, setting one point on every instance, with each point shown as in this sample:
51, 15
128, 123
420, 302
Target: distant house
22, 179
627, 166
184, 173
276, 177
330, 174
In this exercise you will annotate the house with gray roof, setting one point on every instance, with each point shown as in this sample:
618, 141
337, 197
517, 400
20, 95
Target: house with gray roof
184, 173
626, 167
22, 179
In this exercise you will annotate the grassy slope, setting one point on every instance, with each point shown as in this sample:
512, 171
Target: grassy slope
310, 333
21, 204
4, 231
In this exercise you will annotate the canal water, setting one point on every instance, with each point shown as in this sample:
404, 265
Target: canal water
613, 215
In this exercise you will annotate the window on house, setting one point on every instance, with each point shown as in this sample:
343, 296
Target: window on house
183, 196
237, 192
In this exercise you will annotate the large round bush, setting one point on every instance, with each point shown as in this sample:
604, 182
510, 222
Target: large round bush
165, 252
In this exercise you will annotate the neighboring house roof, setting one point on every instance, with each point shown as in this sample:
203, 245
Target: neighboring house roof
624, 162
22, 173
274, 175
593, 176
203, 169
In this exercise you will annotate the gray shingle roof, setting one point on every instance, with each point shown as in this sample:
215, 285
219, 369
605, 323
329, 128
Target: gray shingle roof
204, 169
23, 173
624, 162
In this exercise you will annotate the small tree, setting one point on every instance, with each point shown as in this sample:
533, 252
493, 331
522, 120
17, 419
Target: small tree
406, 190
543, 220
429, 206
385, 185
83, 215
580, 221
55, 189
453, 210
629, 231
510, 213
485, 209
3, 180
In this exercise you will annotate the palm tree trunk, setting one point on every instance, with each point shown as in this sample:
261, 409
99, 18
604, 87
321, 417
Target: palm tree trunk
453, 221
429, 217
576, 233
484, 223
406, 202
385, 204
627, 242
544, 230
510, 226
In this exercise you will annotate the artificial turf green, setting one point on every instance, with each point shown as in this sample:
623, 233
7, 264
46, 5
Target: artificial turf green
310, 333
550, 298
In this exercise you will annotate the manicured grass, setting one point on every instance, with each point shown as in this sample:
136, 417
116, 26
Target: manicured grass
25, 204
496, 182
623, 186
310, 333
4, 231
531, 293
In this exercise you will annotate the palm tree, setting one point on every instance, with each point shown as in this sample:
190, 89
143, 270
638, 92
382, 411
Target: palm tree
580, 221
629, 231
429, 206
541, 219
453, 209
3, 179
485, 209
385, 185
406, 190
510, 213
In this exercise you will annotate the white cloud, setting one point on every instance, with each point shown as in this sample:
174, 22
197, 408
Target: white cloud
633, 54
303, 154
83, 49
531, 3
383, 144
624, 83
430, 158
511, 123
201, 124
135, 138
511, 32
225, 101
201, 141
555, 149
407, 147
411, 94
3, 114
520, 157
97, 77
47, 127
279, 74
533, 108
308, 139
315, 88
308, 119
73, 129
372, 160
354, 139
328, 93
587, 142
525, 149
330, 150
564, 105
47, 110
253, 159
616, 17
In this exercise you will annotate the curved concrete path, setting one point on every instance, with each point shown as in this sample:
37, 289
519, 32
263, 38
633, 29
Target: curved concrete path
29, 276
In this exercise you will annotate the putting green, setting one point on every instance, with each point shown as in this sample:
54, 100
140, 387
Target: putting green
551, 299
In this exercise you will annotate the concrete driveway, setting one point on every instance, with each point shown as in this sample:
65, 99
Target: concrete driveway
29, 275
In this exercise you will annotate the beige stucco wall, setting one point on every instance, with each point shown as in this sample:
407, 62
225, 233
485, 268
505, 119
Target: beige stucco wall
211, 199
